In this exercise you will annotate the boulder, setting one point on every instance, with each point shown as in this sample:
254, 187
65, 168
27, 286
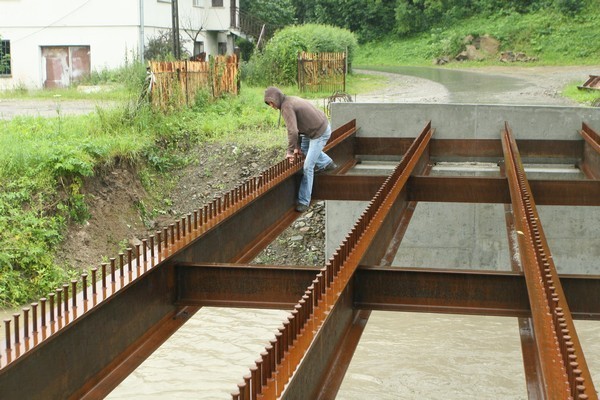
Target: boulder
488, 45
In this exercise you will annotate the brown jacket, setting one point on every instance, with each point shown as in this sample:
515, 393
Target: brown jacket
300, 116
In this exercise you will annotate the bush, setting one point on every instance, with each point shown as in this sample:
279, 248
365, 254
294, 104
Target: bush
278, 63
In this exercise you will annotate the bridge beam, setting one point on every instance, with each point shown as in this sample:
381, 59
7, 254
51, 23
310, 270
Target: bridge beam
471, 292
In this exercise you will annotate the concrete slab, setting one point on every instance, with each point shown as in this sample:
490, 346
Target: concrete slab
465, 121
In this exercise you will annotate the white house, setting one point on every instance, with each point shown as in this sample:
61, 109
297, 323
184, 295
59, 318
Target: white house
52, 43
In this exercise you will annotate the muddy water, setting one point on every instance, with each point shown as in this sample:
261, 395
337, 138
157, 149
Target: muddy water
206, 358
400, 356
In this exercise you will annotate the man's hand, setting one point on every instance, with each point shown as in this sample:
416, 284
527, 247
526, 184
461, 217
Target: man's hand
292, 156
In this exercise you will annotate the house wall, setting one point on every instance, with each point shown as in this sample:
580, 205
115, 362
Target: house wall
110, 28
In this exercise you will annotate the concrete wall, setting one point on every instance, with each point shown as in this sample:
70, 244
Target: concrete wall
473, 236
465, 121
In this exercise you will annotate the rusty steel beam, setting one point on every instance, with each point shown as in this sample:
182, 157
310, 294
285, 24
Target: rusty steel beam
134, 296
121, 366
332, 379
462, 189
590, 164
335, 338
463, 291
474, 149
495, 190
531, 363
469, 189
347, 187
379, 288
395, 226
382, 146
342, 146
563, 366
285, 369
65, 359
237, 285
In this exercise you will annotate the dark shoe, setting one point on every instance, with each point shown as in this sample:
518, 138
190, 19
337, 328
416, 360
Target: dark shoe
301, 207
329, 167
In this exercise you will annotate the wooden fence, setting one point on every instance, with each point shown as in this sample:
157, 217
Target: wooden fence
176, 83
321, 72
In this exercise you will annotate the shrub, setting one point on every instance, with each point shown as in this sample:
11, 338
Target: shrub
278, 65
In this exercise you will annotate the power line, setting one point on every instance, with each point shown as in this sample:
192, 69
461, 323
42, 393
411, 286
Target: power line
55, 22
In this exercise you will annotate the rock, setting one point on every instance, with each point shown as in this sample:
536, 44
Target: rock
473, 53
462, 56
83, 237
489, 45
509, 56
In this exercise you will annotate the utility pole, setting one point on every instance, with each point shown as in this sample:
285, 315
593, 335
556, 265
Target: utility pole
175, 23
142, 35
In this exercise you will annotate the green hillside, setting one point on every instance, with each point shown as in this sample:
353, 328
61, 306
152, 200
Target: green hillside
549, 36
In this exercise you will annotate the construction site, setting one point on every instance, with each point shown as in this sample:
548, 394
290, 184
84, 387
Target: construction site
437, 209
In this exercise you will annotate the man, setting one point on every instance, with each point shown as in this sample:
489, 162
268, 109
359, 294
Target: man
304, 120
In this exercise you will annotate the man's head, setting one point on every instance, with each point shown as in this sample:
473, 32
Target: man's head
274, 97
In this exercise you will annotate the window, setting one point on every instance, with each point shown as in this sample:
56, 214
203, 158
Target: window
222, 48
5, 68
217, 3
198, 48
198, 3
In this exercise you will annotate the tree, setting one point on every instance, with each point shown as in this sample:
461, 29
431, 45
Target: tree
368, 19
275, 13
193, 27
160, 47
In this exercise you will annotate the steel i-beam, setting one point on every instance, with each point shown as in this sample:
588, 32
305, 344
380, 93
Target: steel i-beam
565, 374
301, 350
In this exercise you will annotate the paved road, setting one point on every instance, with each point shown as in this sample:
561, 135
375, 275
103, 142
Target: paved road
10, 108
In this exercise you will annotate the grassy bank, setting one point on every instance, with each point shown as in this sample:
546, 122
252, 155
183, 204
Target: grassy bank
44, 162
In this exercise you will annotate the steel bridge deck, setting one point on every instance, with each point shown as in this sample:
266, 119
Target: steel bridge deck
83, 339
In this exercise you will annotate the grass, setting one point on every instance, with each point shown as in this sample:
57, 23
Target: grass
553, 38
585, 96
65, 145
